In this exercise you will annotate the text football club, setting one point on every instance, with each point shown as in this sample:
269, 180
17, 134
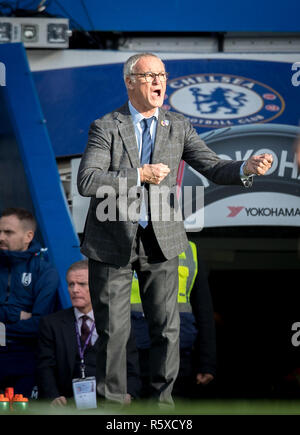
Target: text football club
223, 100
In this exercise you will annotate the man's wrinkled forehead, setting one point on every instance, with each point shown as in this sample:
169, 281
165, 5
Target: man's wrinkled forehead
78, 274
149, 64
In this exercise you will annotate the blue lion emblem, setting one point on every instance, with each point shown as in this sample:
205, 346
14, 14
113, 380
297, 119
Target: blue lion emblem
219, 98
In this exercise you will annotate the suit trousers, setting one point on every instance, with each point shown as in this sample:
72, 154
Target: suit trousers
110, 289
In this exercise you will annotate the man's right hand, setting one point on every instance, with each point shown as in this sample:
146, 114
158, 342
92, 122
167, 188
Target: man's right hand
25, 316
59, 401
153, 174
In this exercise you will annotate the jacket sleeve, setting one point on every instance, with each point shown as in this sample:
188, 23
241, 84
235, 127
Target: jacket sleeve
204, 160
46, 366
9, 313
201, 301
45, 292
95, 170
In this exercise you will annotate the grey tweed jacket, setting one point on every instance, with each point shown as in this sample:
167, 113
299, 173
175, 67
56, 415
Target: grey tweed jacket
108, 174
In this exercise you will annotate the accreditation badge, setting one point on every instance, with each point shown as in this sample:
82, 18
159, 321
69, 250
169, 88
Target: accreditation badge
84, 391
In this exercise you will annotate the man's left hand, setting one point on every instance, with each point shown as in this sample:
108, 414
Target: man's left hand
25, 316
258, 165
204, 378
127, 400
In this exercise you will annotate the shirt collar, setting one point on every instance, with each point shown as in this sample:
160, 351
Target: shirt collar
79, 314
137, 116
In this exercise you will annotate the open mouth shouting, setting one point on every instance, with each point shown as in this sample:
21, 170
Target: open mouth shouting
157, 93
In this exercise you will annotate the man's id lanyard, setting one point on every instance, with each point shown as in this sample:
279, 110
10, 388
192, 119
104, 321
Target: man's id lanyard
81, 349
84, 389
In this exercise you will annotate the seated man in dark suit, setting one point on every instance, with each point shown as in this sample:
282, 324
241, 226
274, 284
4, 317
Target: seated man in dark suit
58, 356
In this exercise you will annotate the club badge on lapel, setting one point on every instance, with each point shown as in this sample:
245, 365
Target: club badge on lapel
164, 122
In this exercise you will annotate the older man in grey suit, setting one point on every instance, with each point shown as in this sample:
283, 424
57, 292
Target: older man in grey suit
114, 166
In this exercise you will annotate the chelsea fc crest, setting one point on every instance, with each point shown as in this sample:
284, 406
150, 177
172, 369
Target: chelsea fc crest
26, 279
220, 100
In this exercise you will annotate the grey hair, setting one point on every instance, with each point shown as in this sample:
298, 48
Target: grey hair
78, 265
132, 61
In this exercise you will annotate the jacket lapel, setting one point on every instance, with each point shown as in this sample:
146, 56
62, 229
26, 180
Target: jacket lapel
162, 134
127, 133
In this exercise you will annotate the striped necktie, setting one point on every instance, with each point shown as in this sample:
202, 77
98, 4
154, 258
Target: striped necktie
147, 144
85, 330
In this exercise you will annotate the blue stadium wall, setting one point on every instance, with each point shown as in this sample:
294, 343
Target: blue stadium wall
180, 15
28, 173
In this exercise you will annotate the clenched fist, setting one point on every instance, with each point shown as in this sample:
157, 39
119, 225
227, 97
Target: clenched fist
153, 174
258, 165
